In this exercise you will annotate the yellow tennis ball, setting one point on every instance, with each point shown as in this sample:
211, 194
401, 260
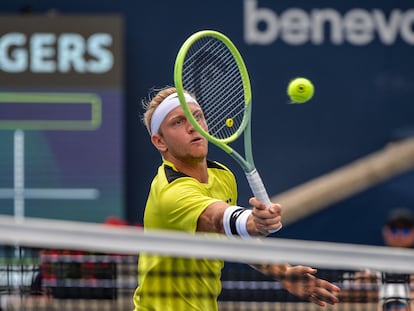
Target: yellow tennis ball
300, 90
229, 122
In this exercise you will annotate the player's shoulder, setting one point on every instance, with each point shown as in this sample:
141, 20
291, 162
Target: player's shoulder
169, 173
217, 165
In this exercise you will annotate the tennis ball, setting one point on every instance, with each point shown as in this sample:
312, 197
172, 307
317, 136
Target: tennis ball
229, 122
300, 90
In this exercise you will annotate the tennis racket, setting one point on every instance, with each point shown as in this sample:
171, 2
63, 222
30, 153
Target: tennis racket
210, 67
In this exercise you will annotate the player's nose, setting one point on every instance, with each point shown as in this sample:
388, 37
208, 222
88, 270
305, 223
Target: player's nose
190, 127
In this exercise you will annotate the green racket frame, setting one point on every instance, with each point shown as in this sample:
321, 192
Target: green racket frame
247, 163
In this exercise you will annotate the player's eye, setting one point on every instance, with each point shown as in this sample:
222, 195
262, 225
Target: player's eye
178, 121
198, 116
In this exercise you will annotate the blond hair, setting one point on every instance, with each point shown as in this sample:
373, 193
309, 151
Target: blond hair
154, 101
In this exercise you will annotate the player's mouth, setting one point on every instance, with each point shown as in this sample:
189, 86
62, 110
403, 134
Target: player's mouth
197, 139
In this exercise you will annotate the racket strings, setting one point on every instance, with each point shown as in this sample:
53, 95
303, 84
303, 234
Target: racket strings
209, 83
211, 73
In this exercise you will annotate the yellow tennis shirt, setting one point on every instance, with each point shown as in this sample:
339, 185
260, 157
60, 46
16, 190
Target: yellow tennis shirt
175, 202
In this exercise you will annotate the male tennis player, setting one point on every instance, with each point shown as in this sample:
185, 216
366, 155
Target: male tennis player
193, 194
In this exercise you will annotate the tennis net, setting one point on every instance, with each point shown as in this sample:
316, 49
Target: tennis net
62, 265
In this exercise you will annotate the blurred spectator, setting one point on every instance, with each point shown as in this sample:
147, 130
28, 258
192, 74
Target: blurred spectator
398, 230
393, 291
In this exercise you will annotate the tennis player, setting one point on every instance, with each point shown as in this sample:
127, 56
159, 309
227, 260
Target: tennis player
193, 194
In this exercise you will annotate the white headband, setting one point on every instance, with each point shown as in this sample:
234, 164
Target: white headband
169, 103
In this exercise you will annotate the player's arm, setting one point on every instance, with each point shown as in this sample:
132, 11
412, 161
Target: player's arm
302, 282
239, 221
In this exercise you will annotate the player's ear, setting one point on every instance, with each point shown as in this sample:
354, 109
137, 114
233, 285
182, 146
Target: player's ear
158, 141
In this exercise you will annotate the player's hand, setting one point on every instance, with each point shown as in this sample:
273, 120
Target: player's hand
302, 282
265, 219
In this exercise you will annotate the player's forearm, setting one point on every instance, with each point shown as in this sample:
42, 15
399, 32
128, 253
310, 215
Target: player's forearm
275, 271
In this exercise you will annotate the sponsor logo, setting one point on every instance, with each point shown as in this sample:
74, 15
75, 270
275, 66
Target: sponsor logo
295, 26
56, 53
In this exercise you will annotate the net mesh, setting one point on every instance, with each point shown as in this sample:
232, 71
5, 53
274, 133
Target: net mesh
210, 72
54, 265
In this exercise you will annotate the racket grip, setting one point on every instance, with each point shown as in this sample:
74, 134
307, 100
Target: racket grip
259, 190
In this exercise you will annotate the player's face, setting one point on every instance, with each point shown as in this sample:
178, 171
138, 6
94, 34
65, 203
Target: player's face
182, 141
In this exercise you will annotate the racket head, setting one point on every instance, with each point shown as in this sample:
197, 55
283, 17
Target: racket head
209, 66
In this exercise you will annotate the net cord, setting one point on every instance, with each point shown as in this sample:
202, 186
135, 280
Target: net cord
58, 234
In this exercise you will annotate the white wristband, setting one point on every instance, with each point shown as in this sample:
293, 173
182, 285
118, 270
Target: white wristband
241, 223
235, 221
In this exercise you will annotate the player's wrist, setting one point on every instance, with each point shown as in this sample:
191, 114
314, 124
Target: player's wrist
276, 271
280, 272
235, 221
253, 228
